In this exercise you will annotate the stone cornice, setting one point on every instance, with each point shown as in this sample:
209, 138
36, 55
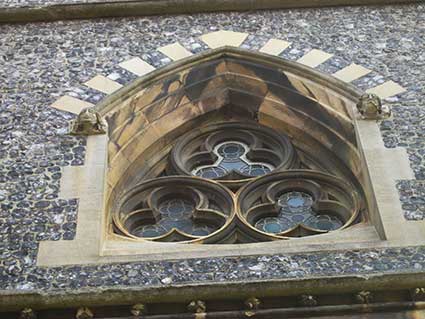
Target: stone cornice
65, 10
335, 286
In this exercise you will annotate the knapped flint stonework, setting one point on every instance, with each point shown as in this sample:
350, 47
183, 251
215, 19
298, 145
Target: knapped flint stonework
40, 63
229, 269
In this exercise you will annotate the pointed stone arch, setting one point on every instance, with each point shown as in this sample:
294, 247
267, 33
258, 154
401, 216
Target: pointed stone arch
271, 90
148, 116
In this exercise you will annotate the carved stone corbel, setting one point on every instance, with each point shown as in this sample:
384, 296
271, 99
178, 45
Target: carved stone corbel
197, 306
138, 309
370, 107
252, 304
308, 300
27, 313
364, 297
88, 122
418, 294
84, 313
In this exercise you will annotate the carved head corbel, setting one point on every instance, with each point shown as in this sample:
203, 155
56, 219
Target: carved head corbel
370, 107
88, 122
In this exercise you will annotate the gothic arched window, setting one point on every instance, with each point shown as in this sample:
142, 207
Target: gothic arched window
219, 166
231, 150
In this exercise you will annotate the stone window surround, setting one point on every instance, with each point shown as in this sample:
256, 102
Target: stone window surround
86, 182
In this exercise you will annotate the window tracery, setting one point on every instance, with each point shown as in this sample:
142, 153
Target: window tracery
232, 153
176, 209
236, 182
297, 203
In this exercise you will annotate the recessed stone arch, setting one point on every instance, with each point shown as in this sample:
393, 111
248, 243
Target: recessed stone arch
315, 110
146, 116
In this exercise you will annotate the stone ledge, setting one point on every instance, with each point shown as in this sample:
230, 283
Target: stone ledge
39, 300
116, 8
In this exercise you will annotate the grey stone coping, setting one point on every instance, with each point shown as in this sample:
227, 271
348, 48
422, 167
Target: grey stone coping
53, 10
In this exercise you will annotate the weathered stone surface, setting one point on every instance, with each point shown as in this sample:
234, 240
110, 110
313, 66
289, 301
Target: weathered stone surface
42, 62
54, 10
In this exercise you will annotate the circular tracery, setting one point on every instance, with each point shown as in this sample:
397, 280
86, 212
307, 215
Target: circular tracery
177, 209
175, 213
231, 157
295, 208
232, 153
297, 203
276, 200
